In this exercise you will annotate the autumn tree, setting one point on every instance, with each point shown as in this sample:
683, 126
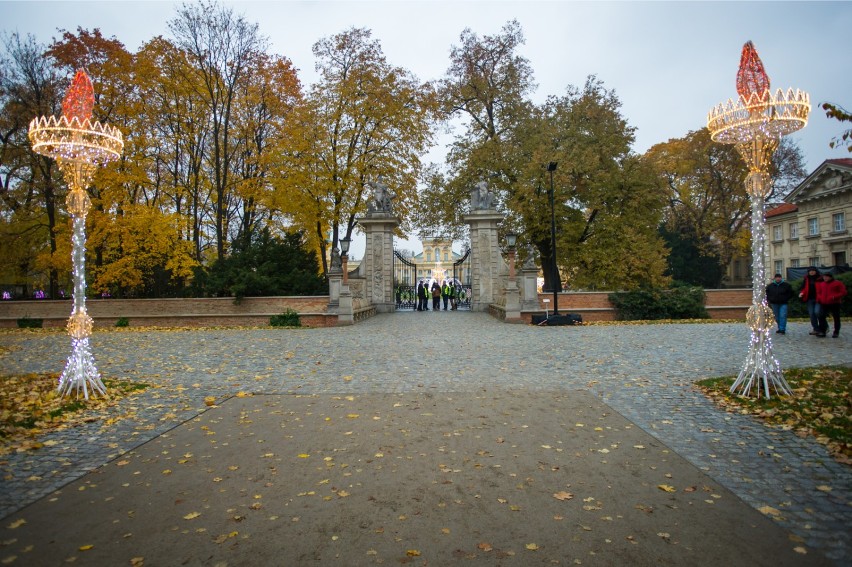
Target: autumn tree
222, 47
363, 118
706, 200
604, 205
31, 191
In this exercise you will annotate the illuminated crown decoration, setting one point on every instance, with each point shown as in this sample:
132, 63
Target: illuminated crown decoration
74, 137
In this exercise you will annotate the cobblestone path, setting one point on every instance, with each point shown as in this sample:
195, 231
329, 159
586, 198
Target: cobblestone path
645, 372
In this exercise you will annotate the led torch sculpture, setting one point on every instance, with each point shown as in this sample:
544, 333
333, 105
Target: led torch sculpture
755, 124
79, 145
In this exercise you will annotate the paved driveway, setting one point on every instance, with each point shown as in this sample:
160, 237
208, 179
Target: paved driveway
644, 372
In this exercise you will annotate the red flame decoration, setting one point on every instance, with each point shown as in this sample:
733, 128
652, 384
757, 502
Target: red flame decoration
752, 80
80, 99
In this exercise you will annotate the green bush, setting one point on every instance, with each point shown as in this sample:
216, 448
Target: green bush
122, 322
289, 318
28, 323
683, 302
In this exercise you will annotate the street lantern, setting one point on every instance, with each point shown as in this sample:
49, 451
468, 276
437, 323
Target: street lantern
555, 281
344, 257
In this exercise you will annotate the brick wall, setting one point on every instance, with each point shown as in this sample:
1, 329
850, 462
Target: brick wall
173, 312
256, 311
595, 306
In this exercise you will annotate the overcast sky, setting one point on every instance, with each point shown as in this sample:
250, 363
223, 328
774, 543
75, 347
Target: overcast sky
668, 62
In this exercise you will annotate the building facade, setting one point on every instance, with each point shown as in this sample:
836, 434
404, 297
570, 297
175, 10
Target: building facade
810, 228
435, 262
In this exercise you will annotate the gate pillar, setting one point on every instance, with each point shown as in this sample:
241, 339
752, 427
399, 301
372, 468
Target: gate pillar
378, 260
487, 263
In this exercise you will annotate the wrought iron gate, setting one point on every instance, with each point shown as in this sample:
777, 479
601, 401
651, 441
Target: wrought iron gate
404, 282
462, 276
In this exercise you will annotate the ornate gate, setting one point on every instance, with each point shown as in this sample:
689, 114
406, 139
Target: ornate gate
404, 282
461, 274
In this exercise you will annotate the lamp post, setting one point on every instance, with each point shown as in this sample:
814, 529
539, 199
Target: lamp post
755, 123
344, 258
555, 282
79, 145
511, 240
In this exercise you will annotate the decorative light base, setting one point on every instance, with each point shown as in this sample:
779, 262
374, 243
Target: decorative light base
80, 373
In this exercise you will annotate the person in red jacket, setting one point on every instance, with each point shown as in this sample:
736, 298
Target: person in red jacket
830, 293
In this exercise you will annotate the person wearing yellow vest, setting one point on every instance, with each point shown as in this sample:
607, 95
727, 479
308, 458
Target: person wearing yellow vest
445, 294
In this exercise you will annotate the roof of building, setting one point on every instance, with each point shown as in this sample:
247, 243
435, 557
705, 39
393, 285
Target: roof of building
782, 209
842, 161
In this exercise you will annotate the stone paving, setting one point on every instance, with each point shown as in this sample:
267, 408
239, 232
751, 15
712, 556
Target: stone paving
645, 372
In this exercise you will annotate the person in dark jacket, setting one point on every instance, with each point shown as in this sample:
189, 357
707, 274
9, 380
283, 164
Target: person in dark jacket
830, 294
778, 293
436, 296
808, 295
422, 305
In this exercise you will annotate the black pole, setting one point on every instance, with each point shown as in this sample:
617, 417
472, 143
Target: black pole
551, 167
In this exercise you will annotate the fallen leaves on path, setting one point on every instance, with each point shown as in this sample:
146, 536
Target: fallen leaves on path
30, 406
820, 405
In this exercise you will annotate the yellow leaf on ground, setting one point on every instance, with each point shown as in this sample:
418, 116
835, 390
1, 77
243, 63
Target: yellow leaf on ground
823, 488
17, 524
531, 546
412, 553
769, 511
667, 487
563, 495
303, 455
191, 516
485, 546
85, 547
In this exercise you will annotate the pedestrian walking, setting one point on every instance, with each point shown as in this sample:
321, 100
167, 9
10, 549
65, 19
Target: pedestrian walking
445, 294
808, 295
436, 296
830, 293
778, 293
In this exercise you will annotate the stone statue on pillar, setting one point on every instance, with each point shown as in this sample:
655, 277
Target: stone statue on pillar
382, 196
481, 197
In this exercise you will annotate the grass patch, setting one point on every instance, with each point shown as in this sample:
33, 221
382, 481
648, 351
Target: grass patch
820, 405
30, 406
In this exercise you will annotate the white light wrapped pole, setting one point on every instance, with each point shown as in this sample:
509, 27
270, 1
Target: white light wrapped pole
79, 146
755, 124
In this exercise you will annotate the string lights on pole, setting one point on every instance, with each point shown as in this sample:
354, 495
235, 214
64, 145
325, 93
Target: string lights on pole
79, 145
754, 123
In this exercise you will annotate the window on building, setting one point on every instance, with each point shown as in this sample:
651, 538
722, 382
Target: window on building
446, 256
437, 254
813, 261
794, 230
813, 227
840, 258
777, 233
428, 256
794, 263
838, 221
779, 267
736, 269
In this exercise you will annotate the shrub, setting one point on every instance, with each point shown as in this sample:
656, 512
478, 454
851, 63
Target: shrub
683, 302
289, 318
122, 322
27, 323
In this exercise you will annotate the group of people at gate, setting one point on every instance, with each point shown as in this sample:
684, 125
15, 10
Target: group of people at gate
450, 292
